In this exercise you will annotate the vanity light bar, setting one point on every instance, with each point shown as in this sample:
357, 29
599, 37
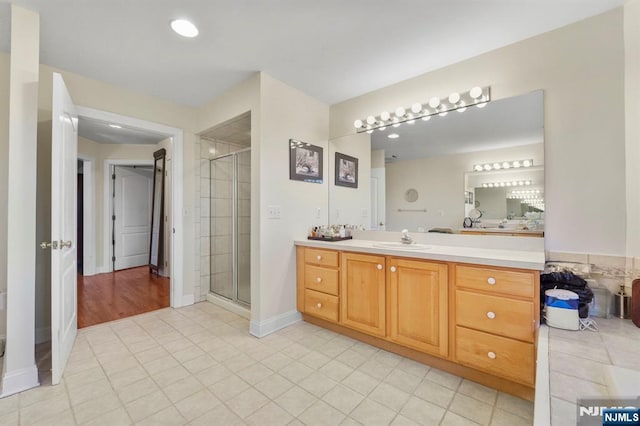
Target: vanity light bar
293, 143
528, 191
507, 184
478, 96
502, 165
524, 196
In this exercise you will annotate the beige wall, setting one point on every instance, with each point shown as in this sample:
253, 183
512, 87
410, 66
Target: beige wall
286, 113
4, 170
632, 123
581, 70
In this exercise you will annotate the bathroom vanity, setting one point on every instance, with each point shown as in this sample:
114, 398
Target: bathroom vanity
471, 311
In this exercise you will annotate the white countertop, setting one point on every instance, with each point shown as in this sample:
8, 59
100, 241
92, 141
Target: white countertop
503, 230
483, 256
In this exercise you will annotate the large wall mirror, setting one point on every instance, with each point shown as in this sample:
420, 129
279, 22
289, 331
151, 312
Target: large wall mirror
426, 175
156, 254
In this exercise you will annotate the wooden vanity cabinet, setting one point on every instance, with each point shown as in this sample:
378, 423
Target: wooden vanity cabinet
417, 305
363, 293
496, 320
318, 276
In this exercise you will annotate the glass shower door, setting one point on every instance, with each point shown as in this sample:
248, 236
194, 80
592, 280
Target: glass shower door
222, 241
231, 226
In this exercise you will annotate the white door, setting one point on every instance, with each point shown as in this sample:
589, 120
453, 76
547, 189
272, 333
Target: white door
132, 211
64, 306
378, 199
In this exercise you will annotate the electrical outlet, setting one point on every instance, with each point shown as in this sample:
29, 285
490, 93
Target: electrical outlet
274, 212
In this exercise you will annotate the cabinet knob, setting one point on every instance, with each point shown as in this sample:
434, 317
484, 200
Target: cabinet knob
491, 315
319, 305
492, 355
319, 257
379, 267
393, 269
491, 280
319, 279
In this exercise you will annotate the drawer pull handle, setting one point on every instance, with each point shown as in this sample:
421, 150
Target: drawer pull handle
319, 257
319, 279
491, 280
491, 315
379, 267
492, 355
393, 269
319, 305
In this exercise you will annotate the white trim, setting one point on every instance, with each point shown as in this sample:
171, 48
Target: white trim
273, 324
19, 380
43, 334
88, 216
107, 204
188, 299
229, 305
177, 187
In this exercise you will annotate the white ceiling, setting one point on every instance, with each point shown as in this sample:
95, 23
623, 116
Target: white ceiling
514, 121
330, 49
100, 131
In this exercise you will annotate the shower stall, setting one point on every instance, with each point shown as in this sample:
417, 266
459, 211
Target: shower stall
230, 226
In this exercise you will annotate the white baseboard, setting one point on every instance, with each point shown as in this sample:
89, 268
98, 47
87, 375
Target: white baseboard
229, 306
273, 324
43, 334
19, 380
102, 270
187, 299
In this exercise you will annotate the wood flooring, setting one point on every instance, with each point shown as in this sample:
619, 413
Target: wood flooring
121, 294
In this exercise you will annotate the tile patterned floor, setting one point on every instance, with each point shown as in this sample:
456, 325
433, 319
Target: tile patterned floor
198, 365
577, 361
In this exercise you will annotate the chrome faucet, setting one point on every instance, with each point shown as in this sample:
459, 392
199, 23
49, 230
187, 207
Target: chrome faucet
406, 239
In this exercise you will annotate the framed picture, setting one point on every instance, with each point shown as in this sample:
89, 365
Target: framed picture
305, 161
346, 170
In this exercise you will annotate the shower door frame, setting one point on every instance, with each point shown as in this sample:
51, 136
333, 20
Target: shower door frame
234, 227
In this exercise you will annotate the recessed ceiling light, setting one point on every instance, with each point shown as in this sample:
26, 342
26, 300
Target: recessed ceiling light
115, 126
393, 136
184, 28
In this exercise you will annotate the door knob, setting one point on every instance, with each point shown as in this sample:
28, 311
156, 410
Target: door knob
393, 269
52, 245
65, 244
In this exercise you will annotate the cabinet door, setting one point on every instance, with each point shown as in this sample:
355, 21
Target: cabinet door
362, 293
418, 305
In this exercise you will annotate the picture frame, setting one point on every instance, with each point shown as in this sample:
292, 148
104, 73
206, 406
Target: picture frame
346, 170
305, 162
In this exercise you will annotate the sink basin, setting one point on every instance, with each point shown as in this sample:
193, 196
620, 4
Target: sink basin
402, 246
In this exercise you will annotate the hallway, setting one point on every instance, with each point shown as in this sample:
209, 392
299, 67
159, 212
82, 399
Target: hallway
121, 294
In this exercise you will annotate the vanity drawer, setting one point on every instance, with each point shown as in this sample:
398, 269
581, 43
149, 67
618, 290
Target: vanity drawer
321, 305
497, 315
494, 354
321, 257
495, 280
321, 279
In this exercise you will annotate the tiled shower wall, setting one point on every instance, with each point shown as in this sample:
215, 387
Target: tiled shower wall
205, 222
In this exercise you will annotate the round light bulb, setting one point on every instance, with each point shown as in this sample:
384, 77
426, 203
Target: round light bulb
416, 108
490, 185
385, 115
400, 112
454, 98
477, 168
516, 164
528, 182
496, 166
520, 183
505, 165
484, 185
502, 184
475, 92
371, 119
357, 124
527, 163
184, 28
487, 167
434, 102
